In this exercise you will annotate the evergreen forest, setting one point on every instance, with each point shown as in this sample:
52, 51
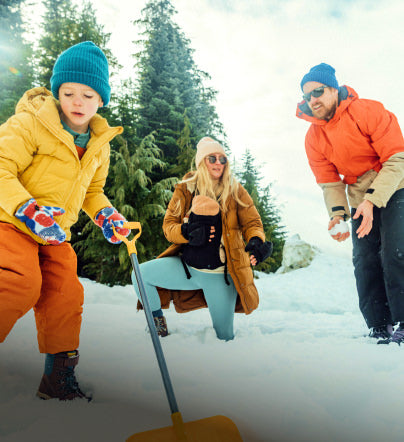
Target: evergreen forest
164, 108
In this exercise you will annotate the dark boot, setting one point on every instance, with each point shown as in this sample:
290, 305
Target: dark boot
59, 380
382, 332
397, 337
161, 325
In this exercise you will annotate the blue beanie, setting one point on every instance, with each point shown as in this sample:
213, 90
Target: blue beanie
323, 73
84, 63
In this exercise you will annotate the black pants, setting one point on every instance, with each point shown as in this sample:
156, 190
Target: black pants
378, 260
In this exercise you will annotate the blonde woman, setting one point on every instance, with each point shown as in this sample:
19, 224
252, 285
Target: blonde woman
207, 221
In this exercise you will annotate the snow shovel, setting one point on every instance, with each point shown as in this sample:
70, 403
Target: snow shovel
211, 429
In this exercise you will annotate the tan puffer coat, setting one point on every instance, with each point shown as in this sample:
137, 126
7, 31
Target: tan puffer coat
239, 224
38, 159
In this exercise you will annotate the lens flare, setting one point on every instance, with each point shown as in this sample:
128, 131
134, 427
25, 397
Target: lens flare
15, 71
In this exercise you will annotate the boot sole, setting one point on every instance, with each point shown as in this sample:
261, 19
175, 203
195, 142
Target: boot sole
46, 397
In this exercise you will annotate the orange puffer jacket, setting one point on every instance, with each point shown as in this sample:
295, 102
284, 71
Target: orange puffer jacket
361, 137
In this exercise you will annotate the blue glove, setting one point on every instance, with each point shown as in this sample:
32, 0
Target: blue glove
108, 217
39, 219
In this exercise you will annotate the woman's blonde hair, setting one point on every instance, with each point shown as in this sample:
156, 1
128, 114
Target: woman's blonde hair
203, 184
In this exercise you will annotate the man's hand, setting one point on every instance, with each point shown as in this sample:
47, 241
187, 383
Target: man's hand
365, 209
339, 236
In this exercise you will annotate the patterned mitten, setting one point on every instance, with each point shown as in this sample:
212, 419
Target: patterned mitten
39, 219
108, 217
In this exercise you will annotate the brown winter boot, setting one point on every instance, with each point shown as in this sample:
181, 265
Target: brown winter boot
161, 326
59, 381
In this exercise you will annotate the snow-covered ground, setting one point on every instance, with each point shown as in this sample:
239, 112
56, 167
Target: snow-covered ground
299, 369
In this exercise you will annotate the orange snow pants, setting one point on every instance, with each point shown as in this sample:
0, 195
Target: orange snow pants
43, 278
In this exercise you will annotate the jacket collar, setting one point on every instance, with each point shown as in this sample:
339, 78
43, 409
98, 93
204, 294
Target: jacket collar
190, 185
346, 95
41, 103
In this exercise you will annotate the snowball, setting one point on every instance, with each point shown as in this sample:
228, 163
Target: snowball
341, 227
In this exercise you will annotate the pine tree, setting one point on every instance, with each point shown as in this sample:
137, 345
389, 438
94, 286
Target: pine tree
58, 29
250, 177
137, 199
273, 228
16, 71
186, 151
163, 115
172, 91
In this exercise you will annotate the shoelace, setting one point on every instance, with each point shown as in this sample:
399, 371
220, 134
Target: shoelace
159, 324
69, 382
382, 330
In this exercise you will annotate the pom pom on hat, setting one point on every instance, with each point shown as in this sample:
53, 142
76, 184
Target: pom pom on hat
83, 63
203, 205
323, 73
207, 146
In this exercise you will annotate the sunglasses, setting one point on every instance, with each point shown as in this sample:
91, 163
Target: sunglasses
317, 92
213, 158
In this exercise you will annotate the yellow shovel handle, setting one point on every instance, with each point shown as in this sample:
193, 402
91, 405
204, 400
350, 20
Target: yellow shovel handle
130, 244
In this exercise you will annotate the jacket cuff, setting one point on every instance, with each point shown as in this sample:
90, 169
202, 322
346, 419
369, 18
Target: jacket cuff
371, 196
335, 199
339, 211
184, 230
96, 203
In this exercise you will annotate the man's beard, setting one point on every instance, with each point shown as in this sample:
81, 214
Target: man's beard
328, 115
331, 113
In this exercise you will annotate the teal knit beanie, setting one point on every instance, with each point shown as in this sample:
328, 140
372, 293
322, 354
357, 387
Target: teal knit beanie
322, 73
83, 63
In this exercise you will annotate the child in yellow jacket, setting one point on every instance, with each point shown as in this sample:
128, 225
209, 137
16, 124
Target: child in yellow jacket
54, 159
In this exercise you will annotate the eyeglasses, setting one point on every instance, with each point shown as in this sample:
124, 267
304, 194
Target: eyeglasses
317, 92
213, 158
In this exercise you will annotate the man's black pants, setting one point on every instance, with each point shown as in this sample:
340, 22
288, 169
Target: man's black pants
378, 260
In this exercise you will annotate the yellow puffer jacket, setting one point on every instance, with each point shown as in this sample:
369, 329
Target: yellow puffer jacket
38, 159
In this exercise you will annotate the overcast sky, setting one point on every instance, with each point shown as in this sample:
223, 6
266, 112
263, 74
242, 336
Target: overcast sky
256, 52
